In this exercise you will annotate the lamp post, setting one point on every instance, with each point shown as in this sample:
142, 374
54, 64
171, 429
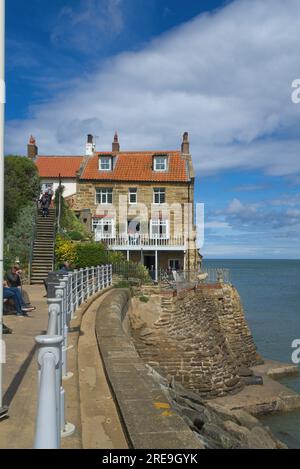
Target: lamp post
3, 409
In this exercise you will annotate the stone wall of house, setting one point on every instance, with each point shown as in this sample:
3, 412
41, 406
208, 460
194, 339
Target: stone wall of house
175, 194
201, 339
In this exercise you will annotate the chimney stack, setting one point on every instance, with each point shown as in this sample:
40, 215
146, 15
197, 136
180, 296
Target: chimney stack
115, 144
32, 149
185, 146
90, 146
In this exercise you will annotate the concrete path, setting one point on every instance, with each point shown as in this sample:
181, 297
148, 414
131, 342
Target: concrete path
101, 426
20, 373
20, 387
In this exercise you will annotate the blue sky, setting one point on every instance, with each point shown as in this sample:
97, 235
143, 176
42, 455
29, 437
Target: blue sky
151, 69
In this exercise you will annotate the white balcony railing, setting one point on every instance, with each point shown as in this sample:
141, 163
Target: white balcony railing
140, 241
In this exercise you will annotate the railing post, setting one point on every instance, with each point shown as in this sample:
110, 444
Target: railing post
76, 289
82, 285
71, 294
87, 273
93, 280
47, 435
61, 292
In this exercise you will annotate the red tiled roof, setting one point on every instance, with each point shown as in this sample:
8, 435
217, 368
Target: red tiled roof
137, 166
52, 166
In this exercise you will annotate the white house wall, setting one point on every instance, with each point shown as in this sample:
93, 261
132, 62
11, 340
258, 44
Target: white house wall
69, 185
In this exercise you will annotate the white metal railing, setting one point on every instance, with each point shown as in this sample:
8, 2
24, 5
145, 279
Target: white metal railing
71, 291
140, 240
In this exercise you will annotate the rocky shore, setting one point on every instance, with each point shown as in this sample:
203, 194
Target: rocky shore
215, 425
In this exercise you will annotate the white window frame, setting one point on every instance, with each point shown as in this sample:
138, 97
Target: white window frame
159, 191
132, 191
103, 193
105, 160
160, 163
157, 222
98, 225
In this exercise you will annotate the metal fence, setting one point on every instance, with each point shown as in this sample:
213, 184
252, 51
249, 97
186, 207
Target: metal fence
183, 279
70, 291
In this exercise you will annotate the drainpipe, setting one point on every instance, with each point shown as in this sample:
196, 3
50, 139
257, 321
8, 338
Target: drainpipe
3, 410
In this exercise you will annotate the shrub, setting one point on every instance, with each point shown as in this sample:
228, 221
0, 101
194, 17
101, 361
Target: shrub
122, 284
144, 299
90, 254
18, 238
65, 250
75, 235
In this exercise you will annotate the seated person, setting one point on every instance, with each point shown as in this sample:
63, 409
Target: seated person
13, 278
15, 294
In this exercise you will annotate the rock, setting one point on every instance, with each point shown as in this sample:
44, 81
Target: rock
220, 436
260, 439
245, 419
253, 380
146, 331
244, 371
221, 411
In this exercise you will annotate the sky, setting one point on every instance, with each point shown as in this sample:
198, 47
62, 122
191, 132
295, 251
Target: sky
152, 69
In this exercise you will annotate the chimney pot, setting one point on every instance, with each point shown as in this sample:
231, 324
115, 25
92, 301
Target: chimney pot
32, 149
90, 146
115, 144
185, 146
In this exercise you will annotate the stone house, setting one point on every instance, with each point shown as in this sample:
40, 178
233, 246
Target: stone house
138, 202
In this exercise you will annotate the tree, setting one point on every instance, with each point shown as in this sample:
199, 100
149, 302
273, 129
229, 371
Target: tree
21, 186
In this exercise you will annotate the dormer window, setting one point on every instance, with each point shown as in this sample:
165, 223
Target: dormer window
160, 163
105, 163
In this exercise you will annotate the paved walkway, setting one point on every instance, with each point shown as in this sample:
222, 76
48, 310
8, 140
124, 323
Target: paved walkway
20, 373
20, 387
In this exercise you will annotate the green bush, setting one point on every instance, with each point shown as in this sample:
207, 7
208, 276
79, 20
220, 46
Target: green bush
21, 185
18, 238
75, 235
90, 254
122, 284
144, 299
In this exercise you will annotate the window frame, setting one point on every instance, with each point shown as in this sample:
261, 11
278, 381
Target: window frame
158, 161
132, 191
102, 222
101, 160
159, 191
158, 222
103, 193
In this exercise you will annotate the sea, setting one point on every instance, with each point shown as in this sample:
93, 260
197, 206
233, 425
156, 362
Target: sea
270, 293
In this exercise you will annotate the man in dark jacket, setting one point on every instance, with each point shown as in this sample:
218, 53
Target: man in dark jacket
44, 201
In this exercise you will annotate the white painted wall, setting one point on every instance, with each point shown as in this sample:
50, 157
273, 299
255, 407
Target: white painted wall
69, 185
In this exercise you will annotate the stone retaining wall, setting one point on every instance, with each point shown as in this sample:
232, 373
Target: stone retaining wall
148, 420
201, 339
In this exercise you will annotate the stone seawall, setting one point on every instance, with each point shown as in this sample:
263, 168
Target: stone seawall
201, 338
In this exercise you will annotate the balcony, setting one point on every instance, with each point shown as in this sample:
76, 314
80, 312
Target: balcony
137, 242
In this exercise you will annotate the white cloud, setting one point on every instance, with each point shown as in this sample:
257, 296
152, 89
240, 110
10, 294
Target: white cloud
224, 77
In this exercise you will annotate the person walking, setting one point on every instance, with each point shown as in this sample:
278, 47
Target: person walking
44, 202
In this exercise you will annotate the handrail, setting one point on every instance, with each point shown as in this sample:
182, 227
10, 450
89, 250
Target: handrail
71, 290
32, 241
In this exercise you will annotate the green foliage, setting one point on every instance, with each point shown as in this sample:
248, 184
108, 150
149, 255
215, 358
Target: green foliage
65, 250
22, 186
90, 254
75, 235
122, 284
18, 238
130, 269
68, 220
144, 299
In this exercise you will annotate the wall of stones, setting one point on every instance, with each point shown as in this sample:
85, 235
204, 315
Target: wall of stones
201, 339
